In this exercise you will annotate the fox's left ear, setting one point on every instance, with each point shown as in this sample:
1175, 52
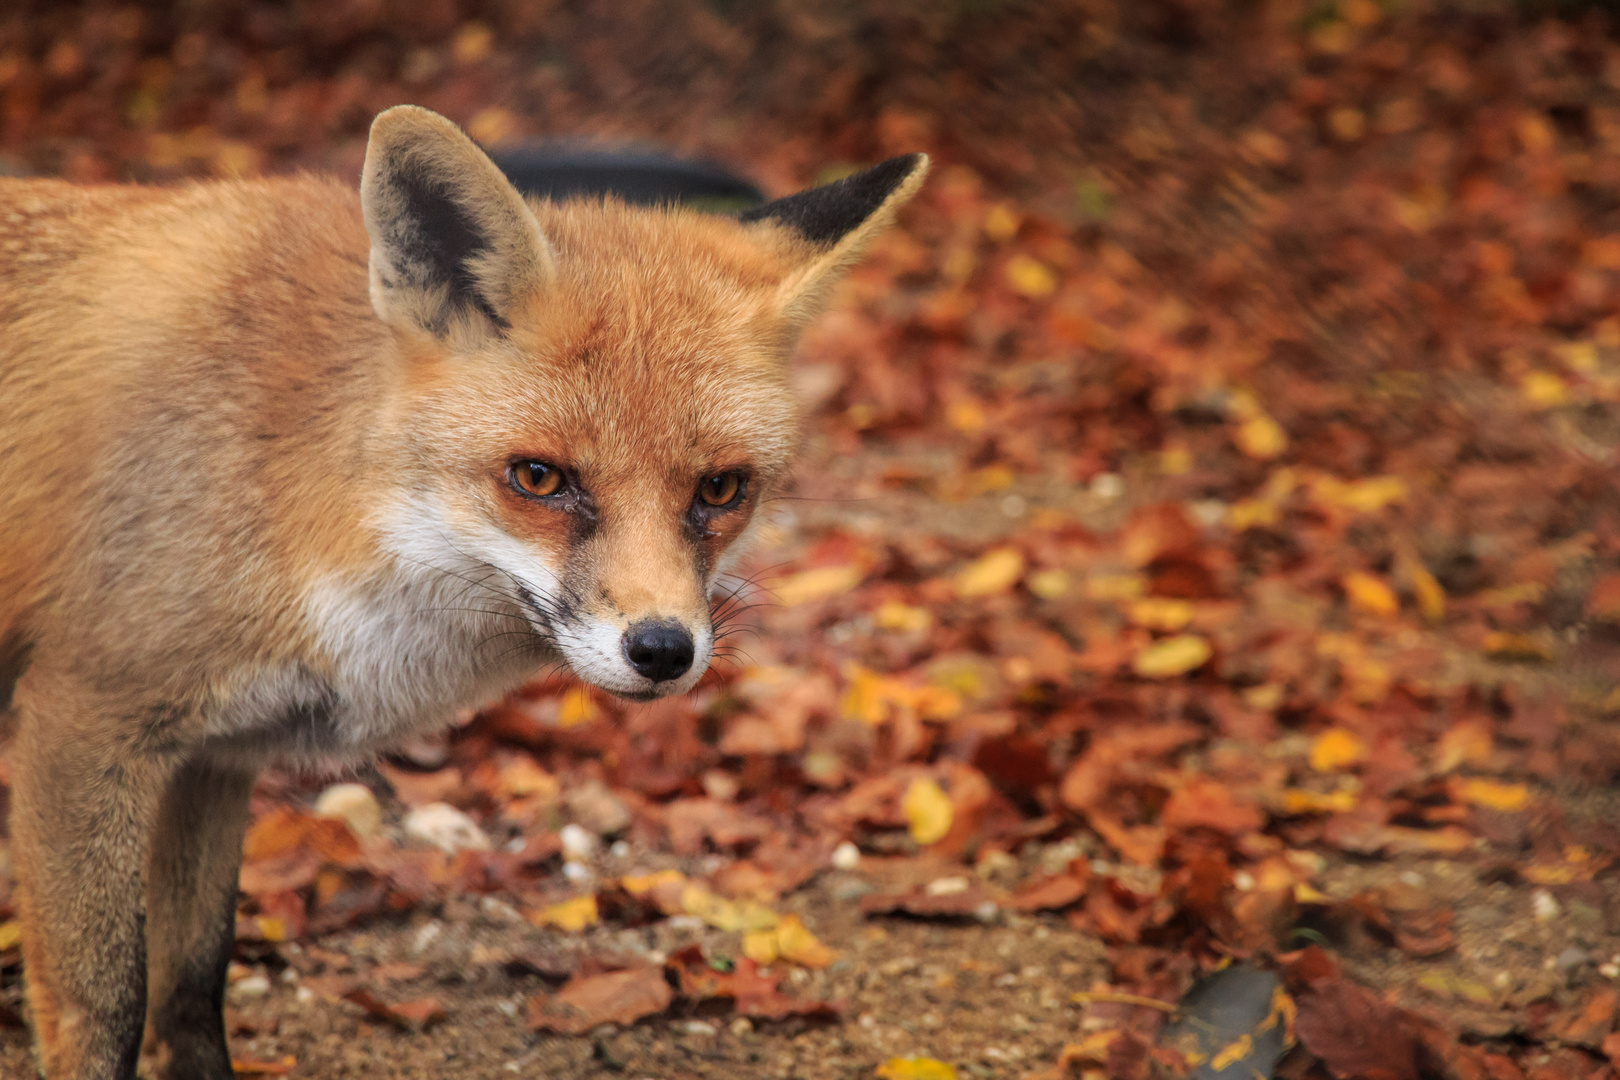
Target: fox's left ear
452, 243
835, 224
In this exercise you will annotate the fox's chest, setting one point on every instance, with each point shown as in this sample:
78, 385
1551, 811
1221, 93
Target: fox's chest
388, 662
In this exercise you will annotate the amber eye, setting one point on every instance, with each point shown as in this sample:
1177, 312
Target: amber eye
721, 489
536, 478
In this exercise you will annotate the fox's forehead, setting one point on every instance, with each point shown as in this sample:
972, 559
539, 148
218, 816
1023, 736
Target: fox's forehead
656, 341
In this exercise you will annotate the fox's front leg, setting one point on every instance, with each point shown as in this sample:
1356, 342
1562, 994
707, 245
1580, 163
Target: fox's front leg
191, 918
86, 786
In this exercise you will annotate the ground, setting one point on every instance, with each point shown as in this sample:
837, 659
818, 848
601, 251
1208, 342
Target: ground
1204, 557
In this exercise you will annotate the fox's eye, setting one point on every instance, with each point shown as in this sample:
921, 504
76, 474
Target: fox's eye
536, 478
721, 489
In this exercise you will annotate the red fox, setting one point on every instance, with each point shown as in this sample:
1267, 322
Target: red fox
287, 474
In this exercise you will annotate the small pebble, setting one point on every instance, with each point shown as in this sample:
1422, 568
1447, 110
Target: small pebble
446, 828
1544, 905
846, 856
352, 804
741, 1026
578, 843
256, 985
577, 872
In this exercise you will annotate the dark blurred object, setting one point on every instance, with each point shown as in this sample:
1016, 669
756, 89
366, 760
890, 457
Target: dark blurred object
553, 170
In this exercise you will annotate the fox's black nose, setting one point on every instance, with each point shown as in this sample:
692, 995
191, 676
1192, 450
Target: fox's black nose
658, 650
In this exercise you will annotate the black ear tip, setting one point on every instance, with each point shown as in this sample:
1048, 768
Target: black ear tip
826, 214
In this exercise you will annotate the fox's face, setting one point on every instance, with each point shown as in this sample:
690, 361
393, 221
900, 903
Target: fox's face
594, 399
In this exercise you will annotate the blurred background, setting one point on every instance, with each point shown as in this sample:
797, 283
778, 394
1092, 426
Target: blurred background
1206, 548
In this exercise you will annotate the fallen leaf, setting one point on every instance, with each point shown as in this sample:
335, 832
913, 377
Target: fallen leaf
818, 583
1367, 592
1491, 794
588, 1001
1030, 278
1336, 750
251, 1067
1260, 437
1171, 657
570, 916
927, 809
416, 1015
915, 1068
994, 572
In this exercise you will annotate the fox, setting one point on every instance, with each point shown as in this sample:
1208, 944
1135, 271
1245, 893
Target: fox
291, 472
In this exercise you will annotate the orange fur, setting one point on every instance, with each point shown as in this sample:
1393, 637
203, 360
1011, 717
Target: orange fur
257, 455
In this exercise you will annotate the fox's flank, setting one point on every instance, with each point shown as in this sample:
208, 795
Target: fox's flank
355, 461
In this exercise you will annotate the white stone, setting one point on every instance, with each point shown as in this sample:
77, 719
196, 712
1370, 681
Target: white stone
846, 856
354, 805
446, 828
256, 985
578, 843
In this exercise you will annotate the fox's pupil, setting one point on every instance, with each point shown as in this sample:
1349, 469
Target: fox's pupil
720, 490
537, 478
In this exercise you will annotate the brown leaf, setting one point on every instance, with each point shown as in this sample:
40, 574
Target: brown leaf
616, 997
1356, 1034
1048, 894
948, 898
416, 1015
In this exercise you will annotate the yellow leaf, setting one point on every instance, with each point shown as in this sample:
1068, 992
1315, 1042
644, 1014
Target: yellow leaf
966, 416
1305, 893
1296, 801
816, 584
1368, 592
493, 126
1161, 613
10, 933
915, 1068
1001, 223
1336, 750
760, 947
1106, 587
1363, 496
927, 810
1544, 389
1430, 597
1048, 584
472, 43
797, 944
988, 479
728, 915
870, 696
1171, 657
1030, 278
1252, 513
1236, 1050
1493, 795
272, 928
645, 883
576, 707
570, 916
893, 615
1502, 645
1260, 437
994, 572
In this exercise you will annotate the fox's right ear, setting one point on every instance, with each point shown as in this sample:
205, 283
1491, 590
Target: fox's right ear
834, 224
452, 243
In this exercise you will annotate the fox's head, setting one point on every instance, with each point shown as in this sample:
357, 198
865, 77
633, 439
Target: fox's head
594, 398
